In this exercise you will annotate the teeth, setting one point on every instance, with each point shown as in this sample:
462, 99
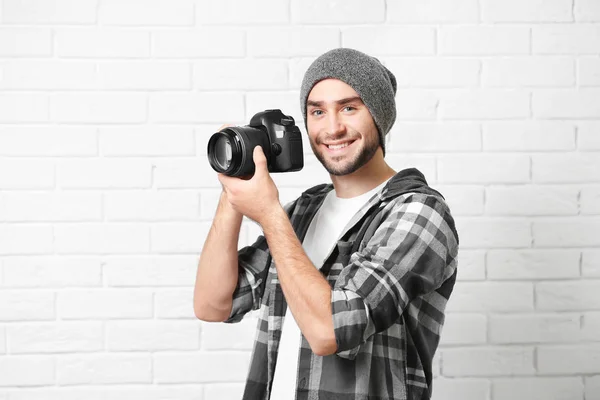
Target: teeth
338, 146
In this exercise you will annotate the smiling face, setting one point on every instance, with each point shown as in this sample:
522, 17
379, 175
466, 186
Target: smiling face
341, 130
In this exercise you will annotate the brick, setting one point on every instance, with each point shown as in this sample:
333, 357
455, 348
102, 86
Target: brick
466, 329
26, 174
467, 389
483, 169
238, 336
534, 328
104, 304
566, 103
538, 388
291, 41
24, 107
101, 43
488, 361
590, 326
201, 367
483, 40
540, 200
50, 206
151, 206
200, 42
575, 359
99, 108
352, 11
493, 233
590, 200
435, 71
390, 40
175, 303
47, 75
528, 136
247, 74
149, 392
567, 232
20, 239
297, 68
185, 173
18, 305
147, 141
56, 337
63, 12
2, 343
99, 238
417, 104
532, 264
592, 386
566, 168
152, 335
51, 271
588, 71
27, 370
434, 137
528, 72
587, 10
463, 199
469, 297
286, 101
101, 173
180, 237
588, 135
590, 263
565, 39
251, 12
209, 200
431, 11
154, 12
184, 107
223, 391
136, 271
97, 369
484, 104
48, 141
142, 75
400, 161
25, 42
471, 265
568, 295
530, 11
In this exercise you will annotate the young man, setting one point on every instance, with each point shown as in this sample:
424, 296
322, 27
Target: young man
352, 278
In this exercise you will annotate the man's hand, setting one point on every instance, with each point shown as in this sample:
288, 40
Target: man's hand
256, 197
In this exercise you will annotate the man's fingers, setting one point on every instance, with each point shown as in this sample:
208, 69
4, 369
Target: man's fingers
259, 159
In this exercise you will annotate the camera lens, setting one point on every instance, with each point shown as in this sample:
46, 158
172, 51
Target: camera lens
223, 152
230, 150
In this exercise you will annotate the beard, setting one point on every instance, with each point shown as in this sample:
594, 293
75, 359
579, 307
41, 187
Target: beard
347, 164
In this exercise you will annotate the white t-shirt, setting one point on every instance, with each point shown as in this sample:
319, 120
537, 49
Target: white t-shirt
327, 226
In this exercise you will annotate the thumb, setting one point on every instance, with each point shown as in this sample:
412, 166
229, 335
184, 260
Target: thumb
260, 160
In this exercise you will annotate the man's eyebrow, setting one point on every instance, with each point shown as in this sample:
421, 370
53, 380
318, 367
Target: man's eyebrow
338, 102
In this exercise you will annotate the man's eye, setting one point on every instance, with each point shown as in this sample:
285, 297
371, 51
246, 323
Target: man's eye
349, 108
315, 112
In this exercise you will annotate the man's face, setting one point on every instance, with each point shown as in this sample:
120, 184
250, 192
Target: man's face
341, 130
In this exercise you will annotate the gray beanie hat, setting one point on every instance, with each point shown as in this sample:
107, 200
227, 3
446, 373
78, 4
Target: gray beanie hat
374, 83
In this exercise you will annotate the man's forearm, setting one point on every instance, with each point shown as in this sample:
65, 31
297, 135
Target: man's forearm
217, 273
307, 292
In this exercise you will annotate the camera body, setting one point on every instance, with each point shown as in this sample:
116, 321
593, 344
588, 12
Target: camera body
230, 150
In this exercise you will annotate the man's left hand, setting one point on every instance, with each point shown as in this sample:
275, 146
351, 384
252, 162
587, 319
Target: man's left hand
256, 197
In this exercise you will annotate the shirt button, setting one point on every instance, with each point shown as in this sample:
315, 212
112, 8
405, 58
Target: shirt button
303, 383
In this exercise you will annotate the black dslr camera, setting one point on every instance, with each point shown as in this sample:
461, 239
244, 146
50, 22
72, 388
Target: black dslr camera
230, 150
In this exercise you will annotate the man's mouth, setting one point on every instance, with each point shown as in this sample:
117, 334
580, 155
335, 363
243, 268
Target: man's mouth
340, 146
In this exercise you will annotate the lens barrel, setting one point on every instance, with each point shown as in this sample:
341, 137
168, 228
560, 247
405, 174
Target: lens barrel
230, 150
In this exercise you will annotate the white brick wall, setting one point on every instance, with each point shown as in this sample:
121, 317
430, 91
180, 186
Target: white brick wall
106, 194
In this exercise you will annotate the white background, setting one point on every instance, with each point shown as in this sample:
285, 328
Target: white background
106, 194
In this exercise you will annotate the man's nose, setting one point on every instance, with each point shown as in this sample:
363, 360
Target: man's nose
335, 124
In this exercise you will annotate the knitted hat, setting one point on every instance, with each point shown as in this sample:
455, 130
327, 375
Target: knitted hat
374, 83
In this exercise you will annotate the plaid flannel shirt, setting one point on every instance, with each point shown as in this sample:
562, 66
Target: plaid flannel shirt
388, 297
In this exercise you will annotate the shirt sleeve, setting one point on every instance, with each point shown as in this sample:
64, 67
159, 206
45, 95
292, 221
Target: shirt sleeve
410, 254
253, 269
